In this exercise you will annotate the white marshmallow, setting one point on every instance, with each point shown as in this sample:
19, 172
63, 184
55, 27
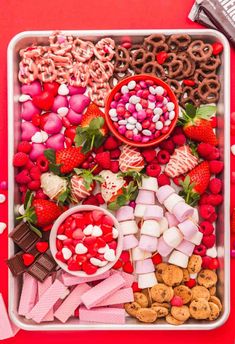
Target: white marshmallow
211, 252
147, 280
195, 216
163, 223
179, 259
196, 238
139, 210
172, 237
151, 228
138, 254
128, 227
149, 183
171, 201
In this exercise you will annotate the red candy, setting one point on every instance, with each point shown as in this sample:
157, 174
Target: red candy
217, 48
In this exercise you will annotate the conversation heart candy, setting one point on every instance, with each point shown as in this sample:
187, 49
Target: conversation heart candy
53, 124
79, 102
73, 117
27, 131
32, 89
55, 141
28, 110
59, 101
37, 150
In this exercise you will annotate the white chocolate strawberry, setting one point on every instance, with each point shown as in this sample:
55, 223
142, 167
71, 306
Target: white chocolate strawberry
78, 189
53, 186
111, 185
130, 159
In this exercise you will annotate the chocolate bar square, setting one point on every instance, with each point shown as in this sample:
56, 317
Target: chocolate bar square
24, 237
16, 264
43, 266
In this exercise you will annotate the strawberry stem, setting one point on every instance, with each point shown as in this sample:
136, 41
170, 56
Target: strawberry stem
92, 142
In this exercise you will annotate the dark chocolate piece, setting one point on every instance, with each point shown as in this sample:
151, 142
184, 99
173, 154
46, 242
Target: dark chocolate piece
16, 264
24, 237
42, 267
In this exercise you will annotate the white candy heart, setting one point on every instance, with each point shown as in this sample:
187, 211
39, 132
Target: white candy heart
103, 249
37, 137
21, 209
96, 261
211, 252
63, 90
103, 263
24, 97
97, 231
62, 237
233, 149
88, 230
3, 226
44, 136
2, 198
62, 111
66, 253
109, 255
115, 233
80, 249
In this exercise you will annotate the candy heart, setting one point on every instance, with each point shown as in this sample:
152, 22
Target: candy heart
74, 266
63, 90
59, 256
24, 97
44, 136
28, 110
32, 89
96, 262
28, 129
88, 230
53, 124
44, 100
55, 142
42, 246
3, 226
89, 268
103, 249
79, 102
103, 263
97, 232
62, 111
115, 233
62, 237
51, 87
59, 101
28, 259
109, 255
37, 150
76, 90
78, 234
97, 215
66, 253
73, 117
89, 241
37, 137
81, 258
80, 249
100, 242
113, 245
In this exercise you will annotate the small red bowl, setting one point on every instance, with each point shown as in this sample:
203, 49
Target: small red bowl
117, 88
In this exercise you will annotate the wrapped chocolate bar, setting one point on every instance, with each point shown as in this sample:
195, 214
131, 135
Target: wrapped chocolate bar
217, 14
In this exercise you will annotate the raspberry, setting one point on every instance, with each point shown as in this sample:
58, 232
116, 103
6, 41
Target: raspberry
204, 149
178, 131
206, 210
214, 155
24, 147
206, 261
125, 256
179, 139
111, 143
35, 173
91, 200
213, 217
42, 163
29, 165
99, 198
23, 188
156, 259
168, 145
203, 199
163, 180
215, 200
149, 155
213, 264
39, 194
114, 166
200, 250
99, 150
216, 166
215, 185
23, 177
103, 159
114, 154
153, 170
191, 283
206, 228
214, 122
34, 185
163, 157
20, 159
135, 287
208, 240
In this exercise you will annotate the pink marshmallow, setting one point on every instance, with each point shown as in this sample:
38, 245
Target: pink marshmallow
70, 280
145, 197
186, 247
164, 192
153, 212
163, 249
42, 288
172, 237
172, 220
73, 300
144, 266
7, 328
28, 294
125, 213
188, 228
105, 315
129, 242
182, 210
121, 296
148, 243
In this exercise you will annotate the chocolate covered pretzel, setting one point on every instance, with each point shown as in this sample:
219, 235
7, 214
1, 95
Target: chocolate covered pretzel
208, 91
155, 69
199, 51
139, 58
121, 59
211, 64
175, 86
178, 42
173, 67
155, 43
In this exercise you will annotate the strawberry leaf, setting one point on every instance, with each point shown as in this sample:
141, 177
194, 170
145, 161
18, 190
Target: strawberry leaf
50, 155
55, 168
206, 111
28, 199
96, 123
35, 230
64, 196
190, 110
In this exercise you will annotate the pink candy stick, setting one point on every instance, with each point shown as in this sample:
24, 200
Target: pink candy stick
103, 315
47, 301
102, 290
7, 328
70, 280
121, 296
42, 288
73, 300
28, 296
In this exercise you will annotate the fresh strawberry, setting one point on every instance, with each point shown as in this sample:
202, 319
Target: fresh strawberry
181, 161
103, 159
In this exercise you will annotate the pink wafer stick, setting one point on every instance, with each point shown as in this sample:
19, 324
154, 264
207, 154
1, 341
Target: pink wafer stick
129, 279
47, 301
42, 288
68, 307
121, 296
70, 280
7, 328
103, 315
28, 296
102, 290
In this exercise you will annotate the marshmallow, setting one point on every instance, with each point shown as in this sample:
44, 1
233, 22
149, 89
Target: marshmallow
148, 243
144, 266
138, 254
172, 220
195, 216
163, 249
172, 201
211, 252
188, 228
179, 259
129, 241
186, 247
153, 212
140, 210
196, 238
106, 315
147, 280
151, 228
172, 237
163, 223
125, 213
182, 211
128, 227
164, 192
149, 183
145, 197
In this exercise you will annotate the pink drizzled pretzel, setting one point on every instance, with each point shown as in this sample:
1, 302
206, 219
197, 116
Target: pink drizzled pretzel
104, 49
59, 43
80, 75
32, 52
28, 71
46, 70
99, 92
100, 71
82, 50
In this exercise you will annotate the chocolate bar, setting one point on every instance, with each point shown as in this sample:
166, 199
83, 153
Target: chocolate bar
218, 14
24, 237
16, 264
42, 267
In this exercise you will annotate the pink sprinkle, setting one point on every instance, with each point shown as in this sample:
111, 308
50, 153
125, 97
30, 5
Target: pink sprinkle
3, 185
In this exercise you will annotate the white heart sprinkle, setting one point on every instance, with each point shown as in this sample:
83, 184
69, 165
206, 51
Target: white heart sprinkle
80, 248
21, 209
44, 136
62, 111
211, 252
3, 226
2, 198
63, 90
24, 97
115, 233
102, 250
37, 137
109, 255
88, 230
96, 261
233, 149
62, 237
97, 231
66, 253
193, 276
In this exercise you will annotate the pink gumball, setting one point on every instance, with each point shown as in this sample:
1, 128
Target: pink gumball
73, 117
55, 141
32, 89
76, 90
79, 102
53, 124
59, 101
37, 150
28, 129
28, 110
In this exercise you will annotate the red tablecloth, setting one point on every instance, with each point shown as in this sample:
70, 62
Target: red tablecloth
17, 16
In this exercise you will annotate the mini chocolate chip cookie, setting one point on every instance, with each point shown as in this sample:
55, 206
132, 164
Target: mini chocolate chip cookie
141, 299
200, 292
161, 304
146, 315
161, 293
184, 292
207, 278
200, 309
217, 301
186, 276
161, 311
172, 275
212, 290
194, 264
159, 270
173, 321
180, 313
131, 308
214, 311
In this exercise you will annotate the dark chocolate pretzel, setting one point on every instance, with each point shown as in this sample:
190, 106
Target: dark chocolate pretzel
211, 64
121, 59
200, 76
199, 51
173, 67
178, 42
117, 77
154, 68
175, 86
139, 58
155, 43
208, 91
189, 96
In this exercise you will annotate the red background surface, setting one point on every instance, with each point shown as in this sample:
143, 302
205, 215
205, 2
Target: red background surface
17, 16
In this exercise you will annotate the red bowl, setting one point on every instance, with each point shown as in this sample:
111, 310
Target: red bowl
117, 88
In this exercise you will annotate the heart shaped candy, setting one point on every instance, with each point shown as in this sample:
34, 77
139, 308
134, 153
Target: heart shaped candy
37, 150
53, 124
55, 142
80, 249
51, 87
109, 255
28, 110
88, 230
73, 117
28, 259
32, 89
66, 252
63, 90
44, 100
27, 131
76, 90
97, 231
79, 102
59, 101
42, 246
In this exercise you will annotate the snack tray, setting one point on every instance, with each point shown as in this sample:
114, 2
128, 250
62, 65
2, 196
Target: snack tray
26, 38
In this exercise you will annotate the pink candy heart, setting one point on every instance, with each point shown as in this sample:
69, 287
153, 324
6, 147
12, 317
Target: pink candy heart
60, 101
37, 150
73, 117
76, 90
53, 124
28, 110
32, 89
28, 130
55, 141
79, 102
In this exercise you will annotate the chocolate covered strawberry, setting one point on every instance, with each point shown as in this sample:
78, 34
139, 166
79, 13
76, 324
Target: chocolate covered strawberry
131, 159
181, 161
